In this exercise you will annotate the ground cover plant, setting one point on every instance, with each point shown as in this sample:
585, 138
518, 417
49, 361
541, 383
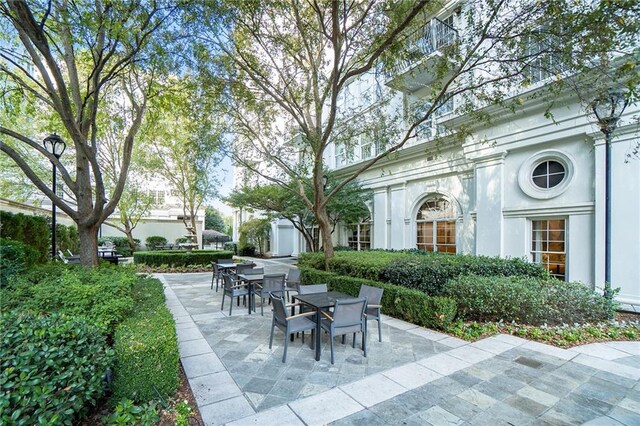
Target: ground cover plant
81, 323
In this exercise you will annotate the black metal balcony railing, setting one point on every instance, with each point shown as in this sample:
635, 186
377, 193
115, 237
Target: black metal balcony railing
432, 37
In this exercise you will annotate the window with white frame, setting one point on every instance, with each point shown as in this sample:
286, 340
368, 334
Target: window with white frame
436, 226
158, 196
543, 62
548, 245
360, 236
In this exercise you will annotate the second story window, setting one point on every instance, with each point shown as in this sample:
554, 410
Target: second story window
542, 62
158, 196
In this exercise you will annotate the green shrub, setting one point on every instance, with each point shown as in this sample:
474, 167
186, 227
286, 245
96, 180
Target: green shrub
14, 258
431, 272
67, 238
231, 246
399, 302
32, 230
173, 258
526, 300
121, 244
154, 242
248, 250
51, 368
102, 295
369, 265
146, 348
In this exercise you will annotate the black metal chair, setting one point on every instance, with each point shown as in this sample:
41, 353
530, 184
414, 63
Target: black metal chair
289, 324
348, 317
216, 275
293, 282
374, 299
233, 288
271, 284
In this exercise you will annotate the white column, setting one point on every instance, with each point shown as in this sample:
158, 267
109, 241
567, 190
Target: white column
397, 203
489, 176
380, 218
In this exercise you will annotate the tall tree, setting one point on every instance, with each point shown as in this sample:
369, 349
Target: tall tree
184, 134
63, 58
213, 219
290, 65
275, 202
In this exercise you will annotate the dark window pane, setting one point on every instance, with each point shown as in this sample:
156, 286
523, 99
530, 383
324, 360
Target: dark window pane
540, 182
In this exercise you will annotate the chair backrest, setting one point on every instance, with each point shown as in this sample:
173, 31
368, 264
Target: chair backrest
273, 283
279, 310
373, 294
312, 288
243, 268
253, 271
61, 256
294, 276
224, 260
228, 282
348, 312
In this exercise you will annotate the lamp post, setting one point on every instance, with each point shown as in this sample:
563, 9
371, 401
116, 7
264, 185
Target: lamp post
325, 180
56, 146
608, 108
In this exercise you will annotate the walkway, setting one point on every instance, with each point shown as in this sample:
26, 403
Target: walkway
414, 376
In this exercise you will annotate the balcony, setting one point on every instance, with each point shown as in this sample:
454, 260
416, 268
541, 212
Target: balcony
425, 48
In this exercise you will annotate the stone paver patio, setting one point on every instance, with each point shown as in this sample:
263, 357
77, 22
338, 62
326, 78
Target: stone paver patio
414, 376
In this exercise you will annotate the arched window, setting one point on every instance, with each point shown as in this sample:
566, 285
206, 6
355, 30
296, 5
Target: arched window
436, 226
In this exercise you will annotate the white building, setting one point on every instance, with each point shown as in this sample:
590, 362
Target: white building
523, 186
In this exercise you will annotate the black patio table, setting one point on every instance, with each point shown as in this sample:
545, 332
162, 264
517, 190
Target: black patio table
320, 301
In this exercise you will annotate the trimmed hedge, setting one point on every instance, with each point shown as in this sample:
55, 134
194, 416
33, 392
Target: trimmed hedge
153, 242
101, 295
32, 230
174, 258
399, 302
146, 348
527, 300
427, 272
52, 368
14, 258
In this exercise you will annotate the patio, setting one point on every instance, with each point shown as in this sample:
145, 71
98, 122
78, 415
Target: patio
414, 376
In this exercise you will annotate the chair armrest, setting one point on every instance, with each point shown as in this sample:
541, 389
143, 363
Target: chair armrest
374, 306
291, 305
329, 317
238, 286
304, 314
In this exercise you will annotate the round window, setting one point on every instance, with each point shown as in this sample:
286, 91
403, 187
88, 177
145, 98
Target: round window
548, 174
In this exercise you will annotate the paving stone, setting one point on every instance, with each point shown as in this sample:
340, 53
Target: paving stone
625, 416
276, 416
194, 347
493, 345
601, 390
439, 416
373, 389
611, 367
315, 410
412, 375
271, 401
362, 418
570, 411
213, 388
460, 408
614, 378
394, 410
526, 405
465, 378
477, 398
225, 411
444, 364
259, 385
502, 414
539, 396
599, 350
630, 405
603, 421
199, 365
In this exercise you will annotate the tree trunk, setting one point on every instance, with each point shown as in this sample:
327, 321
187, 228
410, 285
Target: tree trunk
128, 231
325, 235
88, 244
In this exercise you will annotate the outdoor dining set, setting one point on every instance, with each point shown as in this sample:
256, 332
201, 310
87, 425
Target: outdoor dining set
299, 307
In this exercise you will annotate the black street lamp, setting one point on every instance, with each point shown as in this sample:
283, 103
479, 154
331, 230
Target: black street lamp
608, 108
56, 146
325, 180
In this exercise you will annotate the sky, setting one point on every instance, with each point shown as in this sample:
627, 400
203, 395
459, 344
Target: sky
226, 184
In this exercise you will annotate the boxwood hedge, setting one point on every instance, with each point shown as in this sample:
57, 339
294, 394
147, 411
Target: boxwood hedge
146, 348
52, 367
427, 272
527, 300
399, 302
175, 258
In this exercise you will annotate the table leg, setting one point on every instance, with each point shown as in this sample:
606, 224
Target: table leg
318, 328
293, 312
250, 296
